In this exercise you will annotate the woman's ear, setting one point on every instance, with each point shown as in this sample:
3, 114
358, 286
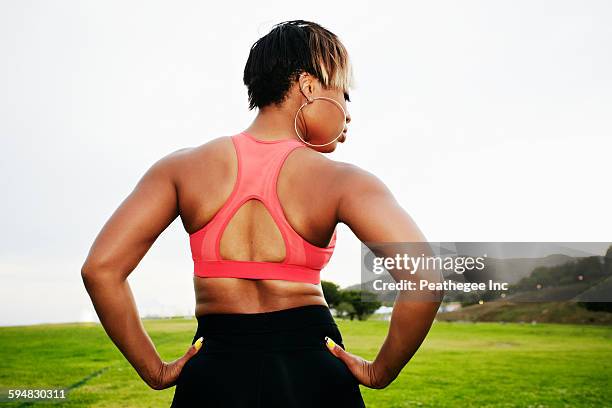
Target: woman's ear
306, 85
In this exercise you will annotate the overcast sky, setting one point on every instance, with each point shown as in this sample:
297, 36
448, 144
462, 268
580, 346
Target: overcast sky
489, 120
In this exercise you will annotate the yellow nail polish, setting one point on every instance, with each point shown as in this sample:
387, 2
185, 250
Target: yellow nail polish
330, 343
198, 343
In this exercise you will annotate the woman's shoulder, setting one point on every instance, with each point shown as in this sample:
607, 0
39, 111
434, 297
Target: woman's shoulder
217, 145
353, 176
192, 159
325, 164
207, 150
355, 183
347, 178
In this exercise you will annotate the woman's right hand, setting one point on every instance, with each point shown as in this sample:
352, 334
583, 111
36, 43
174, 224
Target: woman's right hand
169, 372
363, 370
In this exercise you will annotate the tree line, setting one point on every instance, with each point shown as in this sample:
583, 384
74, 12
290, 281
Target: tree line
350, 303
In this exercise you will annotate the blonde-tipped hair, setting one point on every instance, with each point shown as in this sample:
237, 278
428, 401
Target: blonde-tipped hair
290, 48
330, 58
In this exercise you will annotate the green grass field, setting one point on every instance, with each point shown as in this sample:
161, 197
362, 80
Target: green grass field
460, 364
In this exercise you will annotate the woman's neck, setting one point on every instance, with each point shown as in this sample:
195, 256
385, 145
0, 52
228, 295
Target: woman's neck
273, 123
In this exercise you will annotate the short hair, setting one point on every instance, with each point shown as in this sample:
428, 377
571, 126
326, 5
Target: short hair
291, 47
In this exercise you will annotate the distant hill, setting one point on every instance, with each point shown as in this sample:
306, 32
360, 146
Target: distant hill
536, 297
510, 270
541, 312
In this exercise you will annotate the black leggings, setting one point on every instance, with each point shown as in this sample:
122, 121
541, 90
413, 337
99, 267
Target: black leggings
267, 360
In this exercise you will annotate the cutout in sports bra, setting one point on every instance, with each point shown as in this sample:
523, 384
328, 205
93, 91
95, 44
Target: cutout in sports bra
259, 164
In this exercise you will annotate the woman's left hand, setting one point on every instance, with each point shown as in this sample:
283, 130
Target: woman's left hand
363, 370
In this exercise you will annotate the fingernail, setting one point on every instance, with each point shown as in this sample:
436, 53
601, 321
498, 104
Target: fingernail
329, 343
198, 343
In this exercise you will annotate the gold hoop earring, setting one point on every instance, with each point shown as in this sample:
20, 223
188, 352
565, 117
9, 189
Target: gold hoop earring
309, 101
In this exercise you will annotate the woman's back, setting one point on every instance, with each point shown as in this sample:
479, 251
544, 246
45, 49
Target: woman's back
261, 211
251, 231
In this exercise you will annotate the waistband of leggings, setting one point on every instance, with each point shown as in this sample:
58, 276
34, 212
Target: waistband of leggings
295, 318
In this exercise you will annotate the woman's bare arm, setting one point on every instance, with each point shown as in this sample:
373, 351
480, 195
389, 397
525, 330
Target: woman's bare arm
367, 207
117, 250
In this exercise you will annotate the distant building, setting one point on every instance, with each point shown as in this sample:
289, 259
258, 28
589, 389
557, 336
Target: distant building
449, 307
384, 312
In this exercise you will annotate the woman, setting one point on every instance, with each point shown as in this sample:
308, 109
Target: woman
261, 208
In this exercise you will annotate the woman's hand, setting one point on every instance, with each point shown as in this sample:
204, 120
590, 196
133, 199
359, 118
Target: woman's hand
364, 371
169, 372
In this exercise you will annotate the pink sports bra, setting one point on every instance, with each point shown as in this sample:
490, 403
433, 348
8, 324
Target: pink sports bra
259, 164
